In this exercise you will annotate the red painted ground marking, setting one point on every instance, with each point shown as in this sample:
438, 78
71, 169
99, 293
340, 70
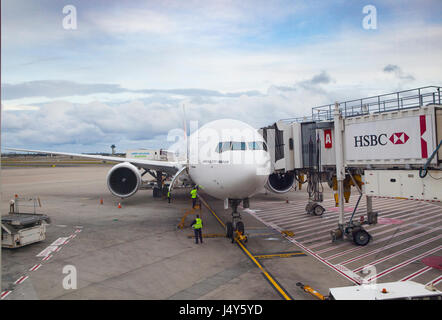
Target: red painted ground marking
376, 234
384, 248
47, 257
21, 279
435, 281
336, 209
389, 221
4, 294
415, 274
36, 267
420, 244
372, 229
433, 262
403, 264
377, 241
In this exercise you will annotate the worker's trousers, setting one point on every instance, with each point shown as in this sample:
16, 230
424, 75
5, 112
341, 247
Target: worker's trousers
198, 234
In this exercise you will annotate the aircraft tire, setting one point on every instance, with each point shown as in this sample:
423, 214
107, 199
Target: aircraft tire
229, 230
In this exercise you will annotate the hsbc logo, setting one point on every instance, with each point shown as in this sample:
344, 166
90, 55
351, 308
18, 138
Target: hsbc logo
399, 138
371, 140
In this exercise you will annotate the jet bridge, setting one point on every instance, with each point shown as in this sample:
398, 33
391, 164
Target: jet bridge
387, 145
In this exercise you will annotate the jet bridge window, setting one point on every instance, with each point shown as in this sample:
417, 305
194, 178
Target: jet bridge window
257, 145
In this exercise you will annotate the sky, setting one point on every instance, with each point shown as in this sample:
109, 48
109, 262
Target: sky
119, 72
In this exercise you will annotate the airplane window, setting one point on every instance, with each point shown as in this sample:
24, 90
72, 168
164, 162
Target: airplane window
257, 145
253, 146
224, 146
227, 146
231, 145
238, 146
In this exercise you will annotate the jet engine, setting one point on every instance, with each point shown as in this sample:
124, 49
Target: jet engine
280, 182
123, 180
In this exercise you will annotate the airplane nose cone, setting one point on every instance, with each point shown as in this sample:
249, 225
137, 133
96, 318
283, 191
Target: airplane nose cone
250, 178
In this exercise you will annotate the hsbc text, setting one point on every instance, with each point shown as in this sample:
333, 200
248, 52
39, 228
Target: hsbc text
371, 140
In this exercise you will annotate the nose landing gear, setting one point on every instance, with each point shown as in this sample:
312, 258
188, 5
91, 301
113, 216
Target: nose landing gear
235, 228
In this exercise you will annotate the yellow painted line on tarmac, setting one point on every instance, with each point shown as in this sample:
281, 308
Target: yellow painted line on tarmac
272, 281
279, 255
266, 274
213, 212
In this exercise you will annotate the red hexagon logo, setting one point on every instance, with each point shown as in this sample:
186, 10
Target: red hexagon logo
399, 138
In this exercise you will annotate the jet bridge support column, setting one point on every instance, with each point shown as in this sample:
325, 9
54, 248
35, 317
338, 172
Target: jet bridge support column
340, 166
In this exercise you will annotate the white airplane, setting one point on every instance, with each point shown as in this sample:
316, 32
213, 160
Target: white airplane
227, 158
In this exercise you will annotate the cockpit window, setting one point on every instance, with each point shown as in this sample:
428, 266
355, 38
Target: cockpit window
224, 146
257, 145
236, 145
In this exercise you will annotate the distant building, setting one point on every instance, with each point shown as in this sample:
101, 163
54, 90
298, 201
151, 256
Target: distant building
148, 154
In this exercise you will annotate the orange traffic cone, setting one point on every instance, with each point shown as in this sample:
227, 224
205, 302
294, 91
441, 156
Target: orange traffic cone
119, 205
101, 200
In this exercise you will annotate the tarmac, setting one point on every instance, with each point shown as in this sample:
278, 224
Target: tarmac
137, 251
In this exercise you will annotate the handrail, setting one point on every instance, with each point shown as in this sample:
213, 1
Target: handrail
398, 100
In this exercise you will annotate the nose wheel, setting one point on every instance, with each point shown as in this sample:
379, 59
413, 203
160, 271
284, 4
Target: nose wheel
235, 228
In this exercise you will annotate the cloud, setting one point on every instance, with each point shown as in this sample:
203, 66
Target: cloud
397, 71
62, 88
85, 127
54, 89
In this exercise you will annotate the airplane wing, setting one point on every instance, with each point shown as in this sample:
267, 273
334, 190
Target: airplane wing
165, 166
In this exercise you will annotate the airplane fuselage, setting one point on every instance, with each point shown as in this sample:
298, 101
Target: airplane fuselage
228, 159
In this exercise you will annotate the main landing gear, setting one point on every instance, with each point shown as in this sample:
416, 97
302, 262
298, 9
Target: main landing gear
235, 228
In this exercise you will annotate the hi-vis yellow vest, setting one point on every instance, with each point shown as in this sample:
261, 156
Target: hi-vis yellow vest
193, 193
198, 224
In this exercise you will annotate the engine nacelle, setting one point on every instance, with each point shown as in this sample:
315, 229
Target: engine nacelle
280, 182
123, 180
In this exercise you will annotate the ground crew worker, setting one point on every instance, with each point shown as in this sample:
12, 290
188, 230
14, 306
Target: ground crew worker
168, 196
197, 226
194, 194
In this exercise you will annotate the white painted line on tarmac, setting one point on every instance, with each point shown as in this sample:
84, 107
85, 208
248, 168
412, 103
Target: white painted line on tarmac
21, 279
59, 241
307, 241
47, 258
4, 294
435, 281
36, 267
47, 251
420, 244
369, 253
378, 234
275, 227
403, 264
377, 241
415, 274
